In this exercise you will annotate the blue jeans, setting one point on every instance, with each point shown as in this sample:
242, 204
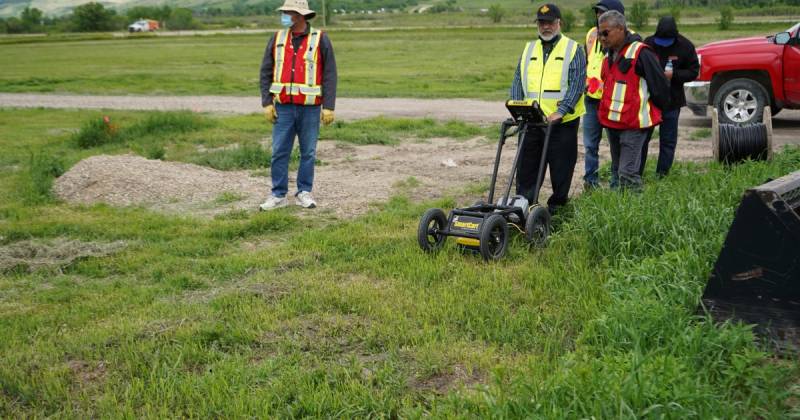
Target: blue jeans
301, 121
592, 133
667, 140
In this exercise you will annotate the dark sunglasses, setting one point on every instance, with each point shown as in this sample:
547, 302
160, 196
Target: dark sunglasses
604, 34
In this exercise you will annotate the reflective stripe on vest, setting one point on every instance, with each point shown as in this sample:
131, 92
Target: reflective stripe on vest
617, 101
308, 90
594, 65
547, 82
628, 106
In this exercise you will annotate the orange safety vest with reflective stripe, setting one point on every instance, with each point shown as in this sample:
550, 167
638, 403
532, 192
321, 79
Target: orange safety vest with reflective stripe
594, 65
626, 100
297, 74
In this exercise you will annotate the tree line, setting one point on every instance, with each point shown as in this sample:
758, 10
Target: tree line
94, 17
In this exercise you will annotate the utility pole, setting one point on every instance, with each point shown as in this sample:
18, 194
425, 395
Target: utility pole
324, 15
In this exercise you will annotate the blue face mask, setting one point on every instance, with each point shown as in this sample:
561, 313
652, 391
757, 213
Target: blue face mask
286, 20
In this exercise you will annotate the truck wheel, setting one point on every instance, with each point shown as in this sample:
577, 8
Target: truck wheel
741, 101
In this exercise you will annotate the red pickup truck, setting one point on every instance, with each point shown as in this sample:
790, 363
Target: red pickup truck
741, 76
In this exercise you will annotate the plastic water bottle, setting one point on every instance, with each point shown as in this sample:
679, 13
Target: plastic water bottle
668, 67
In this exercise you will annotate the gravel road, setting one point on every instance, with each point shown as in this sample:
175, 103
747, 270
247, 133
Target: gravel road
786, 124
346, 108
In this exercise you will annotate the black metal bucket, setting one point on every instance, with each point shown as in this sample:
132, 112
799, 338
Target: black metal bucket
756, 278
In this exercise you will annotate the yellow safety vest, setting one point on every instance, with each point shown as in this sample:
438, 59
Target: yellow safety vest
547, 82
594, 65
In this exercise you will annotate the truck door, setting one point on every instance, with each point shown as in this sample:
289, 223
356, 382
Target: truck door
791, 69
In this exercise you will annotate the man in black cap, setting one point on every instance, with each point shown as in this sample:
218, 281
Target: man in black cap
552, 71
678, 58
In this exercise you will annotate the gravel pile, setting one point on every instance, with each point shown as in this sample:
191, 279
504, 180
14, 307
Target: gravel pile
171, 186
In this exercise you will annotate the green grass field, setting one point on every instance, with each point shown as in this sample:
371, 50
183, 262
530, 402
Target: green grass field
432, 63
280, 315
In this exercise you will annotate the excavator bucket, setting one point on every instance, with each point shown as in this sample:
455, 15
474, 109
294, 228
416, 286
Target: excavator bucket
757, 276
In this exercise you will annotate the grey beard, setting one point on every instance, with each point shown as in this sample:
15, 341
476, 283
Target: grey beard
547, 38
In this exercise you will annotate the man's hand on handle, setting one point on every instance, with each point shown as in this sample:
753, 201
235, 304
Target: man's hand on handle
554, 118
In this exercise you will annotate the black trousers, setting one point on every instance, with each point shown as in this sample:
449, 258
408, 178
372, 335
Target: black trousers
562, 155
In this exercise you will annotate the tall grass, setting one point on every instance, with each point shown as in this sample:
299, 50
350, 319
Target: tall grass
42, 170
101, 131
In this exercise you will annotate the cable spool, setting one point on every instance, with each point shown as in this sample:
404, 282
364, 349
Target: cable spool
734, 143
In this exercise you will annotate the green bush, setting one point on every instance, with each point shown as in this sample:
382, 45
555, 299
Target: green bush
638, 16
96, 132
675, 12
13, 26
725, 18
182, 18
447, 6
496, 13
567, 20
93, 17
589, 17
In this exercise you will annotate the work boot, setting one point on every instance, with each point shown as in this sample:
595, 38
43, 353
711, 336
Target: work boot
273, 203
305, 200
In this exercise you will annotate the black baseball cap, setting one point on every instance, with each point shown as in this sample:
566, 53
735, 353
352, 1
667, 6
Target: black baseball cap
549, 12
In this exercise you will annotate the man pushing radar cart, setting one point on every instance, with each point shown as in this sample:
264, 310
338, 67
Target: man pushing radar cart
484, 227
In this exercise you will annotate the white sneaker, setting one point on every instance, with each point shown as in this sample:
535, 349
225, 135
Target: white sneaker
273, 203
305, 200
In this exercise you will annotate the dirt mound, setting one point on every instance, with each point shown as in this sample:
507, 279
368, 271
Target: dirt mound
347, 181
169, 186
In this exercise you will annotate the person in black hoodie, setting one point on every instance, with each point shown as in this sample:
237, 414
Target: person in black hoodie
678, 58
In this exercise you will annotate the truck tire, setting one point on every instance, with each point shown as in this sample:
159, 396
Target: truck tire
741, 101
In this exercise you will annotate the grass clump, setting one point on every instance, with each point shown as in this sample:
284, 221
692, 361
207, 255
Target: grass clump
42, 170
244, 156
162, 123
96, 132
259, 224
101, 131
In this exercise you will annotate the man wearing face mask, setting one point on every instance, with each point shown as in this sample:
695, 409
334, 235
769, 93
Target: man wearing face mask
298, 90
552, 71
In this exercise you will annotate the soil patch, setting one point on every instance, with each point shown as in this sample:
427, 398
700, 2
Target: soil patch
349, 181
